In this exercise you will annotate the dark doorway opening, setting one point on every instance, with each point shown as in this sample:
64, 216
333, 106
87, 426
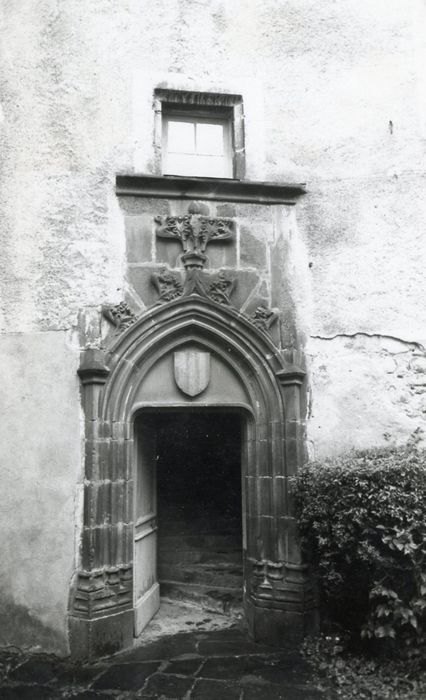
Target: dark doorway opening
200, 506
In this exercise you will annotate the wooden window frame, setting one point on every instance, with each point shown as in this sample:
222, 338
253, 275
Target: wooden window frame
199, 106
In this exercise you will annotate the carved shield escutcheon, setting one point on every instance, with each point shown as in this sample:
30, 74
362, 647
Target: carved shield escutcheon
192, 371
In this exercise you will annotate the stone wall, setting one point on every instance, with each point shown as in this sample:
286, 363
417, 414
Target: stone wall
333, 95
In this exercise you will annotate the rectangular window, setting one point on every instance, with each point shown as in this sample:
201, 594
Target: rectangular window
199, 134
196, 145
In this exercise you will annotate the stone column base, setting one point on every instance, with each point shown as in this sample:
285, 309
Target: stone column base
101, 636
278, 627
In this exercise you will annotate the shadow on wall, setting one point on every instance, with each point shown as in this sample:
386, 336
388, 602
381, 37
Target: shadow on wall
20, 629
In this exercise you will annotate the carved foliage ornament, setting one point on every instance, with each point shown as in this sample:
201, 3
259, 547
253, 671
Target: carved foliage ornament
194, 231
263, 317
168, 286
120, 315
221, 288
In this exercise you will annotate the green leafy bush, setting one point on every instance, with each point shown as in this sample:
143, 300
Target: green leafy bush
362, 518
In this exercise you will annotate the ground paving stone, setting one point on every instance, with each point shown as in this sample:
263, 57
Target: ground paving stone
270, 692
168, 686
28, 692
90, 695
210, 665
36, 670
234, 667
126, 676
205, 689
73, 675
183, 667
169, 648
238, 647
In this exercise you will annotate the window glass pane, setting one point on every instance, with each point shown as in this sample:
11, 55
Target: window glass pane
180, 164
180, 137
210, 139
200, 166
210, 166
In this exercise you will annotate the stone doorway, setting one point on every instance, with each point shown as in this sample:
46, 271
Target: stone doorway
235, 368
195, 468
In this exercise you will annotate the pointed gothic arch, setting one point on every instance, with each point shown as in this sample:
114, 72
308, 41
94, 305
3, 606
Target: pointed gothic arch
117, 384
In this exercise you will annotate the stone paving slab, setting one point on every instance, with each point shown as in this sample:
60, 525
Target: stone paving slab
216, 665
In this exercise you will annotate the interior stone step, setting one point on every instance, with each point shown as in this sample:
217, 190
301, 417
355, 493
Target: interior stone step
214, 541
225, 600
194, 556
211, 573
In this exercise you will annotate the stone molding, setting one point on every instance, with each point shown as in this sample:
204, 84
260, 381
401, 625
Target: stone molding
278, 585
207, 188
105, 590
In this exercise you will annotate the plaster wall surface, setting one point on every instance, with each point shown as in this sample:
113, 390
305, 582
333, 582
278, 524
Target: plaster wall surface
41, 481
333, 95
